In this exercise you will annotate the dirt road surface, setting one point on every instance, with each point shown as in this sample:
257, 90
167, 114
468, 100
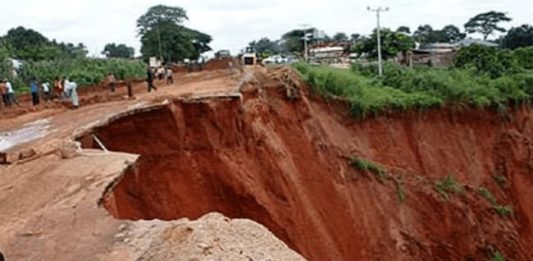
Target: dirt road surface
49, 206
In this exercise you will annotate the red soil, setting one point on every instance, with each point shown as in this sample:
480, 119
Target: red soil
284, 164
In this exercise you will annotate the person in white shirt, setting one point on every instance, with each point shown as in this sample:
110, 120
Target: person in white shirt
71, 88
169, 76
46, 91
11, 94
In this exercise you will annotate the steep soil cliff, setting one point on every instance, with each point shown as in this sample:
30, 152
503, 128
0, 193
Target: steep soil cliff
289, 161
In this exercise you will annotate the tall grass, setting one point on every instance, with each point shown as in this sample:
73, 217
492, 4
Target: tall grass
408, 88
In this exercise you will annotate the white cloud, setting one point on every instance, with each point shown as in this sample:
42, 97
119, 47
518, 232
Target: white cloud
234, 23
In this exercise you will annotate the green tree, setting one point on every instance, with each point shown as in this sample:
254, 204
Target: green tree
158, 14
162, 33
404, 29
293, 41
265, 47
487, 60
113, 50
521, 36
451, 34
340, 37
27, 44
355, 37
392, 44
486, 23
424, 34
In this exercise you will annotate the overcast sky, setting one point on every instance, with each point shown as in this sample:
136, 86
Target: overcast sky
234, 23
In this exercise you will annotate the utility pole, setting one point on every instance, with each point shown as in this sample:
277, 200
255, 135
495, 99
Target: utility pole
160, 46
380, 61
306, 51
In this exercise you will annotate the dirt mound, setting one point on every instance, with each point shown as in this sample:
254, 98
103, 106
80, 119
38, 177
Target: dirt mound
212, 237
416, 186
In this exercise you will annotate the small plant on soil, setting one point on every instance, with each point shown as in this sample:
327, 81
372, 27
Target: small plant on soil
503, 211
500, 179
485, 193
400, 190
367, 165
448, 185
497, 256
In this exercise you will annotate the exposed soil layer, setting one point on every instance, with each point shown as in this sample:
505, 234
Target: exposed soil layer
280, 157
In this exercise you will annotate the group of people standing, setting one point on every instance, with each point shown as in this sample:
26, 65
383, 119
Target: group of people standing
162, 73
8, 93
63, 89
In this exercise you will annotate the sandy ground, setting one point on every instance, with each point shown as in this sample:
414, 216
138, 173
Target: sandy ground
49, 205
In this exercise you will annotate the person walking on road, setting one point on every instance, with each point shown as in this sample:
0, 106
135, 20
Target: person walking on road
150, 79
72, 89
11, 94
34, 89
169, 76
111, 81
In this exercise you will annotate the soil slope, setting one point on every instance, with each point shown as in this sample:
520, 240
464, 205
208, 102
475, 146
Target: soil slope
281, 157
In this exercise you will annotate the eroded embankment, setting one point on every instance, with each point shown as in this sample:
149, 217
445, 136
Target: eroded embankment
283, 163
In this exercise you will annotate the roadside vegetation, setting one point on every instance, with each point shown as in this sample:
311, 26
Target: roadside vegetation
481, 76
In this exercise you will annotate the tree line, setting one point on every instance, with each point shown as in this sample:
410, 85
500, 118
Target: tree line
403, 39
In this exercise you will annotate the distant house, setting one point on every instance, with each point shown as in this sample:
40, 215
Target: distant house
329, 55
439, 54
470, 41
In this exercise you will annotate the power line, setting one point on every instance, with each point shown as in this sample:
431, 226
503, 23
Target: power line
378, 11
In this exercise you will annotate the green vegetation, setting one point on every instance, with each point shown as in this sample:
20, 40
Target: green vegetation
448, 185
482, 77
370, 166
164, 24
485, 193
392, 44
84, 71
487, 23
113, 50
503, 211
400, 191
497, 256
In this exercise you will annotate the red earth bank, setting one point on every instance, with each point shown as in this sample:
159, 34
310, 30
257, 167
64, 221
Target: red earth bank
283, 162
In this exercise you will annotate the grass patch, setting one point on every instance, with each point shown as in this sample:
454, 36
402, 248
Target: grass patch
448, 185
368, 166
497, 256
485, 193
503, 211
400, 191
416, 88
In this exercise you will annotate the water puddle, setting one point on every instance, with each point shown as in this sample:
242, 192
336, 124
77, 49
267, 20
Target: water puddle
30, 131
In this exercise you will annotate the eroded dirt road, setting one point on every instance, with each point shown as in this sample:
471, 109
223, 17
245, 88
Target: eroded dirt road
49, 206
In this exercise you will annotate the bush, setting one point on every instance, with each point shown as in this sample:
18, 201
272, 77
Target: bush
524, 57
491, 61
84, 71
